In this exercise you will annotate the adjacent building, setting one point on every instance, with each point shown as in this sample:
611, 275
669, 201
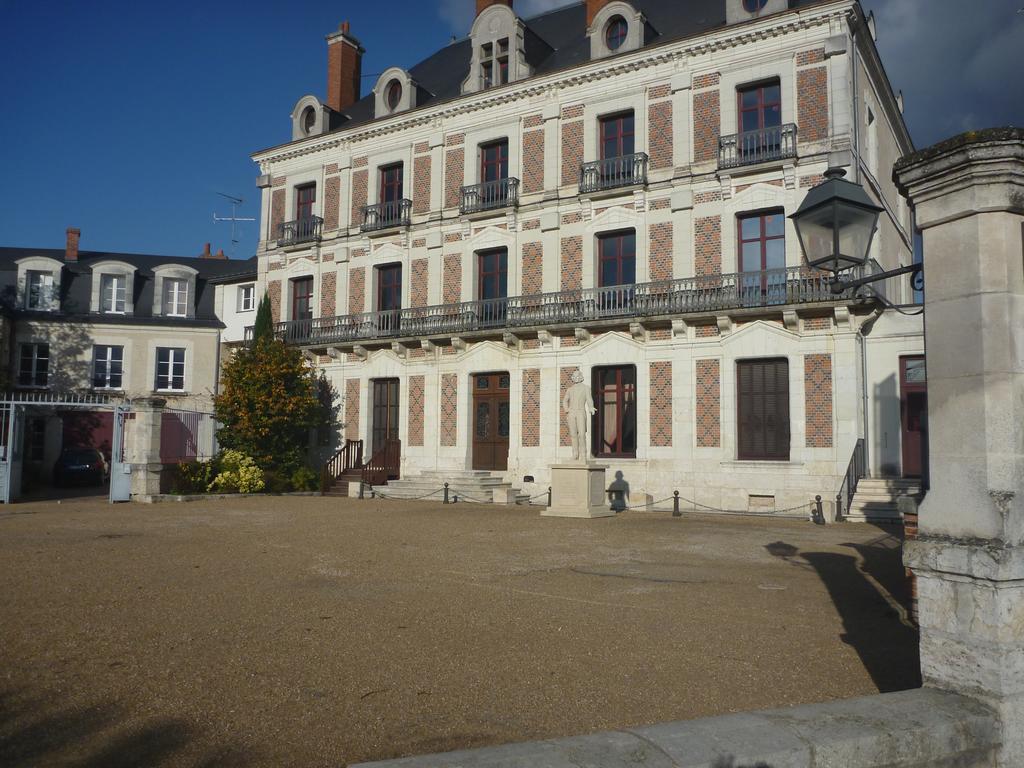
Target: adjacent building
604, 188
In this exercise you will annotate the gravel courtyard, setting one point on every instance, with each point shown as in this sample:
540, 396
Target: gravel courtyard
316, 632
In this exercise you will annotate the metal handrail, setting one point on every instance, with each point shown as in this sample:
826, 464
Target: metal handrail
304, 230
763, 145
394, 213
855, 470
503, 193
613, 172
709, 293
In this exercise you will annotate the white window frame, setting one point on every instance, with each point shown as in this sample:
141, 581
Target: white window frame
175, 296
107, 361
117, 284
166, 272
36, 357
43, 292
246, 298
39, 264
173, 361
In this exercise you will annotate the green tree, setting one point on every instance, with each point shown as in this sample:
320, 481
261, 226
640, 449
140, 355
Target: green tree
270, 399
263, 328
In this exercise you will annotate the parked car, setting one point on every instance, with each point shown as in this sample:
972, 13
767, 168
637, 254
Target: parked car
80, 466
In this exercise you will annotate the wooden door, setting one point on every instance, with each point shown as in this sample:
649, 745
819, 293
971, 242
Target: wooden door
385, 412
490, 421
913, 414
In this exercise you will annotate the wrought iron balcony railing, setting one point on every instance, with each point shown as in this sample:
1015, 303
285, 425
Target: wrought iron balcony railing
613, 172
760, 146
711, 293
491, 195
394, 213
305, 230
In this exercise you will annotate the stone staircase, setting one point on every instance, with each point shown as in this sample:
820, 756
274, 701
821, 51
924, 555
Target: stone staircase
875, 499
468, 485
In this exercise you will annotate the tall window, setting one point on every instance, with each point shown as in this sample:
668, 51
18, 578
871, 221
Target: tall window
494, 161
34, 365
107, 366
617, 136
175, 298
302, 298
494, 63
389, 287
492, 268
614, 390
759, 106
616, 255
113, 293
762, 255
170, 369
39, 290
391, 183
762, 405
305, 196
246, 298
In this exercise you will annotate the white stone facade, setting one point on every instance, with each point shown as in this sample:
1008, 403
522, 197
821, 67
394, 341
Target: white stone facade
685, 221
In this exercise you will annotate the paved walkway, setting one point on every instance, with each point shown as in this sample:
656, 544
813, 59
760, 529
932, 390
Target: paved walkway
305, 631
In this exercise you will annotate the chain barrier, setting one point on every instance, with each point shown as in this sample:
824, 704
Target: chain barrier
675, 498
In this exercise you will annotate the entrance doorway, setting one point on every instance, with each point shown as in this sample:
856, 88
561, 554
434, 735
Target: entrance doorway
913, 414
490, 421
385, 412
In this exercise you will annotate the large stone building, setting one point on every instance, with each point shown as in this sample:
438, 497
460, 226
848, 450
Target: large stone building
604, 188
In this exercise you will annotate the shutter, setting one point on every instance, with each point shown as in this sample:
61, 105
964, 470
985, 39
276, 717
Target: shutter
762, 394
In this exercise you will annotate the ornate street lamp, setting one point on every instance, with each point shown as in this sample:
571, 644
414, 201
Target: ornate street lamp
835, 224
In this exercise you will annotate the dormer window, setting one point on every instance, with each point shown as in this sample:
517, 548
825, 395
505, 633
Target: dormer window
615, 33
393, 95
175, 297
308, 120
753, 6
394, 92
174, 291
113, 294
494, 64
38, 290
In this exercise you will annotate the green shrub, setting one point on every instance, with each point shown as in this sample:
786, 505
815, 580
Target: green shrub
193, 476
305, 479
238, 473
277, 482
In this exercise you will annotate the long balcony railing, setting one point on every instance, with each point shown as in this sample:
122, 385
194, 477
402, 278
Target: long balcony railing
613, 172
711, 293
491, 195
760, 146
305, 230
394, 213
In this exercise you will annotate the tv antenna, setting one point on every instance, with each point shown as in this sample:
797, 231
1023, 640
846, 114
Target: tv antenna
234, 218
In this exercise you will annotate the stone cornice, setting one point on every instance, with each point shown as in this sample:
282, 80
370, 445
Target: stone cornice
592, 71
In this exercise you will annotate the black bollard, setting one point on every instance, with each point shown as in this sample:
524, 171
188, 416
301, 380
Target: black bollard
839, 508
549, 495
819, 515
446, 493
675, 504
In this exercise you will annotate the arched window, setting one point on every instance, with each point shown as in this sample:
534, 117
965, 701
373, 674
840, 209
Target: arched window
615, 33
753, 6
393, 95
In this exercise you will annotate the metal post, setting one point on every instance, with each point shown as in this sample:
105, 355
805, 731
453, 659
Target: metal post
549, 495
819, 515
362, 485
446, 493
675, 504
839, 506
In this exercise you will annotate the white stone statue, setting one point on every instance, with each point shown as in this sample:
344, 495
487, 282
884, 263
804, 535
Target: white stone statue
578, 405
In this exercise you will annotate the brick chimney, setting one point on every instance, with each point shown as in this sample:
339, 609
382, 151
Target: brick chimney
344, 68
71, 244
593, 7
207, 255
483, 5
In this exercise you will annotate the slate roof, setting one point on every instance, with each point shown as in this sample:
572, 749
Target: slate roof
560, 42
76, 283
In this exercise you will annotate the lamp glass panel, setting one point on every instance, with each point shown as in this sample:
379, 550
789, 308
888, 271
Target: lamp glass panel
815, 231
855, 229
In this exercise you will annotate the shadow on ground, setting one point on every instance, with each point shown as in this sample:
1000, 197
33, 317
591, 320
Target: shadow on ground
37, 731
871, 593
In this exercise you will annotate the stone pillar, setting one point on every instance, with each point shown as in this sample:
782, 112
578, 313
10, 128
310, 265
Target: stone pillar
144, 446
968, 193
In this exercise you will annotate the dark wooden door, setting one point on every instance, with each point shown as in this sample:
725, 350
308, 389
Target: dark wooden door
913, 414
385, 412
490, 421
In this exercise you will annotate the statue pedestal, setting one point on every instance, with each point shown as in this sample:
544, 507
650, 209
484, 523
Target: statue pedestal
578, 490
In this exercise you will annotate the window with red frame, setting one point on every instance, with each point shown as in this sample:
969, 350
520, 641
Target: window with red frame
759, 106
614, 392
753, 6
494, 161
493, 274
305, 196
391, 183
389, 287
615, 33
302, 298
762, 241
617, 136
616, 256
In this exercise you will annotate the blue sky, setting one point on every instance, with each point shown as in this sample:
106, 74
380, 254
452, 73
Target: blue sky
125, 119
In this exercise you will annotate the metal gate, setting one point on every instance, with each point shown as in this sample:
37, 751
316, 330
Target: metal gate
120, 468
10, 462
